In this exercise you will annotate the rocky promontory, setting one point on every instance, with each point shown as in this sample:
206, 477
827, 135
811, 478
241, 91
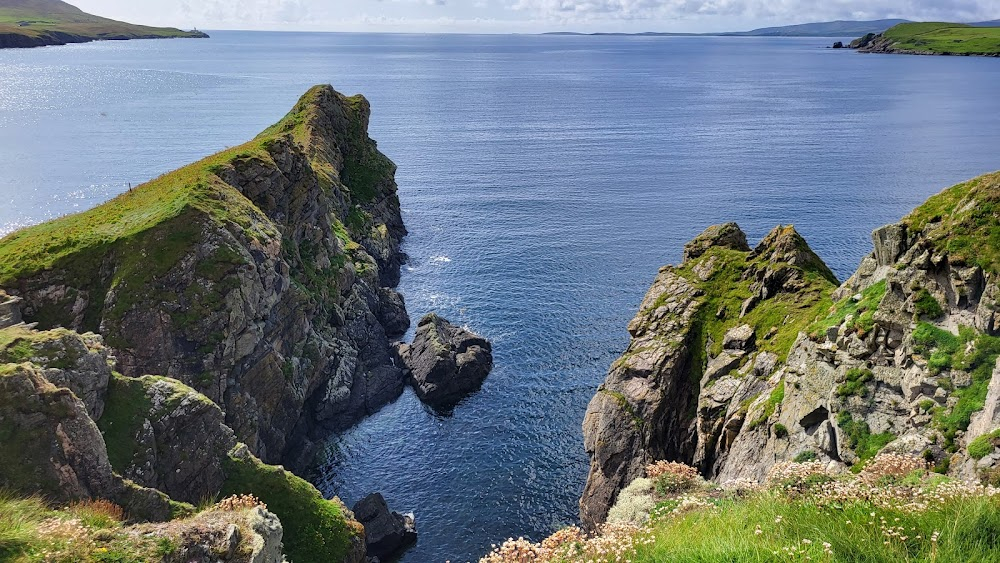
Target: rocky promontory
743, 358
164, 348
932, 38
40, 23
260, 277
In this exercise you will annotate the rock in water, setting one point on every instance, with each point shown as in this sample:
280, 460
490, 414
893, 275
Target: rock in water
446, 362
386, 532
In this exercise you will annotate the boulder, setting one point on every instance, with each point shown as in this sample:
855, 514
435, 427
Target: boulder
386, 532
446, 362
739, 338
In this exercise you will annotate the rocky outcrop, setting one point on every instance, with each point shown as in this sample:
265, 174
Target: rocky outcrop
387, 533
708, 335
904, 359
53, 448
260, 277
446, 362
165, 439
243, 535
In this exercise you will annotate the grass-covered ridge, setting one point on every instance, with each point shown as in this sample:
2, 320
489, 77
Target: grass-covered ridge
944, 38
131, 240
964, 222
894, 510
29, 23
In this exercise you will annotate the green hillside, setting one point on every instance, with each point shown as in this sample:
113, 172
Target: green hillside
939, 39
35, 23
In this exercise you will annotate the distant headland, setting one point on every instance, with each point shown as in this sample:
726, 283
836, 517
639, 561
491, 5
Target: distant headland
37, 23
933, 38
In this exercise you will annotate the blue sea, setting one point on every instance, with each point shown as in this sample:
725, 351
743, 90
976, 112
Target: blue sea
544, 180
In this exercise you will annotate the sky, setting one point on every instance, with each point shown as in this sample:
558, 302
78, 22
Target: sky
525, 16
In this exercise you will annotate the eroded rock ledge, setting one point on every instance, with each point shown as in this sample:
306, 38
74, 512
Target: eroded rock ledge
740, 359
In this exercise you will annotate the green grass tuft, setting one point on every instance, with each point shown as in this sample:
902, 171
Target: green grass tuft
315, 529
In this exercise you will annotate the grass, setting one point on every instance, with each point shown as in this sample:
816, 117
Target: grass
944, 38
983, 445
861, 311
314, 528
56, 17
961, 222
968, 530
860, 438
855, 383
926, 306
970, 351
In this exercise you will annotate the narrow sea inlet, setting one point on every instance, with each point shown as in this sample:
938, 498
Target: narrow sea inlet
544, 181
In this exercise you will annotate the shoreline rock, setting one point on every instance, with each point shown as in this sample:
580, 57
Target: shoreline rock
446, 363
387, 533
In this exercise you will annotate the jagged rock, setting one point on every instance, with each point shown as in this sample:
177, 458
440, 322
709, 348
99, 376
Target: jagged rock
873, 366
446, 362
643, 411
263, 286
52, 448
10, 310
728, 235
386, 532
739, 338
80, 363
251, 535
181, 435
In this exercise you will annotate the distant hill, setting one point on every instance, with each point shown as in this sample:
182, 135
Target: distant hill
35, 23
822, 29
840, 28
933, 38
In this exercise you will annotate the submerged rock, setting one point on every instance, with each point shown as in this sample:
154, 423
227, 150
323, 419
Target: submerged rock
386, 532
446, 362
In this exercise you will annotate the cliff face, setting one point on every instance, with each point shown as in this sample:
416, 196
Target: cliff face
743, 359
260, 277
74, 431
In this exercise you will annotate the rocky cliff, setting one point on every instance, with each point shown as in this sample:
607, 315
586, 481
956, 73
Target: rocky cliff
259, 277
742, 358
145, 451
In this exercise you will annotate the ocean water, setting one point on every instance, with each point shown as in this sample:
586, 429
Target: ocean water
544, 180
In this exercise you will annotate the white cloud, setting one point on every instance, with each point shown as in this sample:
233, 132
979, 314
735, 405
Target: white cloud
526, 15
789, 10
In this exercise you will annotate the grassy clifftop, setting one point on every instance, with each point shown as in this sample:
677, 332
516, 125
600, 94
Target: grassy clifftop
34, 23
934, 38
961, 221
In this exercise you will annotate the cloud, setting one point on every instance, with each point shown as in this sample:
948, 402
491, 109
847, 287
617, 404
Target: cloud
791, 10
248, 12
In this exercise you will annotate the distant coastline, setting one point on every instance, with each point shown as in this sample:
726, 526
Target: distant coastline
840, 28
41, 23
